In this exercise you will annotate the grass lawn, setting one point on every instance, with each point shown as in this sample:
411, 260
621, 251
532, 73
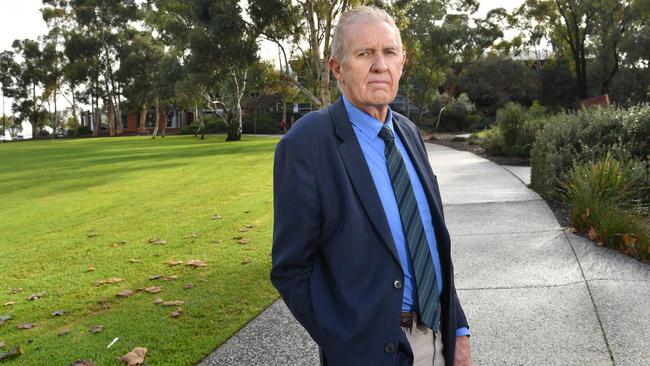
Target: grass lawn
74, 212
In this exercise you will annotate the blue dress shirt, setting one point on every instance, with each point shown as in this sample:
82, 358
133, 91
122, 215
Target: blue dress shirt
366, 129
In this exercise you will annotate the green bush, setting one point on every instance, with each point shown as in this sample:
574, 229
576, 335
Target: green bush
84, 131
263, 123
570, 139
606, 199
189, 129
515, 130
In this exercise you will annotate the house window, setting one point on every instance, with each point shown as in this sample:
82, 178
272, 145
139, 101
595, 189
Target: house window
125, 121
172, 119
150, 121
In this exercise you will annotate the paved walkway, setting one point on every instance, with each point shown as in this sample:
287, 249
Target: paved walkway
533, 294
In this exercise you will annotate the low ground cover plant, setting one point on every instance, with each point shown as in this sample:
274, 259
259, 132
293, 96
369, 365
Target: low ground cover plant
607, 203
598, 162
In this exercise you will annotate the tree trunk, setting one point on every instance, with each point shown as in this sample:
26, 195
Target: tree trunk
35, 131
157, 119
143, 117
74, 107
110, 116
56, 115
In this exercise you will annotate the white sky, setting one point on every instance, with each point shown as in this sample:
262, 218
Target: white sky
21, 19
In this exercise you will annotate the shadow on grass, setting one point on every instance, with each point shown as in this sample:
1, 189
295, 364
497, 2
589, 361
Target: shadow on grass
62, 164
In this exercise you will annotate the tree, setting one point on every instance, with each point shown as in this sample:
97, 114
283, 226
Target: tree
28, 90
279, 22
106, 22
7, 73
572, 26
218, 48
438, 45
493, 81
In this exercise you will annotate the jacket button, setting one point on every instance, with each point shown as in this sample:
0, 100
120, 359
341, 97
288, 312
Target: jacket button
397, 284
389, 348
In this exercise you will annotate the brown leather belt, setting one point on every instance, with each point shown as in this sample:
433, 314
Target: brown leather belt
407, 319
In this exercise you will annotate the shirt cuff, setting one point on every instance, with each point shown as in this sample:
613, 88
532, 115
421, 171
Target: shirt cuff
464, 331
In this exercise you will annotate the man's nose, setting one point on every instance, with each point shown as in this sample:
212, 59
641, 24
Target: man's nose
379, 63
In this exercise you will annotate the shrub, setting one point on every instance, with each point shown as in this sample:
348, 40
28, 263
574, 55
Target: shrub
264, 123
606, 200
515, 131
189, 129
570, 139
84, 131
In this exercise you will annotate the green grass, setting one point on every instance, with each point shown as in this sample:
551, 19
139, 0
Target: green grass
54, 193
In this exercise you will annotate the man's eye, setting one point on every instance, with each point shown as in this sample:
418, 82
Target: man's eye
363, 53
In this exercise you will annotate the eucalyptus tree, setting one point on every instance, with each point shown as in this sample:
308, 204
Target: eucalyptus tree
217, 48
584, 29
106, 22
7, 74
28, 91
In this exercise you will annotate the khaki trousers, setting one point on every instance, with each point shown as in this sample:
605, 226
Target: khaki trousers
425, 344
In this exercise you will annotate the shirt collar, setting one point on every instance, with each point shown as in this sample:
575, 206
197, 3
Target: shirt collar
368, 125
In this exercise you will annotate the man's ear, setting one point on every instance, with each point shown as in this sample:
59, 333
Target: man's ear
334, 67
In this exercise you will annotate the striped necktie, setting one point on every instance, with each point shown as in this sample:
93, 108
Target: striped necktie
425, 274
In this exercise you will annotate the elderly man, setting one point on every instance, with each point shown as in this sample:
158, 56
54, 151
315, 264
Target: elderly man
361, 253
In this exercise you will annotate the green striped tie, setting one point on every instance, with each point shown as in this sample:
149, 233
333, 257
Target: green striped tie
425, 274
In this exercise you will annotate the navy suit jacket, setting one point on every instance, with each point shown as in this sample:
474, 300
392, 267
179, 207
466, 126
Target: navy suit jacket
334, 259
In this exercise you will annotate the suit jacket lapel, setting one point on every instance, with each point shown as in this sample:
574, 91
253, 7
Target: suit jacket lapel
359, 173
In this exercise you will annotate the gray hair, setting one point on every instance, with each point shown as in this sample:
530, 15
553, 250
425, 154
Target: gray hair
360, 14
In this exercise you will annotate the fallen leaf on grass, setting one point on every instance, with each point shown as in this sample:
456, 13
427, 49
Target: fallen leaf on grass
243, 229
154, 277
11, 354
125, 293
58, 312
247, 211
63, 332
26, 326
176, 313
16, 290
90, 269
134, 260
9, 303
135, 357
4, 318
217, 241
158, 301
35, 296
115, 245
237, 237
174, 263
92, 234
188, 286
157, 241
171, 278
96, 329
250, 226
216, 217
153, 290
246, 261
108, 281
196, 263
193, 235
173, 303
2, 344
244, 241
83, 363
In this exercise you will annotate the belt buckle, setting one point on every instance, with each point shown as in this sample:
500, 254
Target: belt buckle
406, 319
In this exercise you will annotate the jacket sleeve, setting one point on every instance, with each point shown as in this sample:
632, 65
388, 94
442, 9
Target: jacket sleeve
296, 229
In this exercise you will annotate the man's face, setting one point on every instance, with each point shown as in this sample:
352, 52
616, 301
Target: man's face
372, 64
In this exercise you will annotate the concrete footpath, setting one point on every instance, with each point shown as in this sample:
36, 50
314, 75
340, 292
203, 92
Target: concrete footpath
533, 293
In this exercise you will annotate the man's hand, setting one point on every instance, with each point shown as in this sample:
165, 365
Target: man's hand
463, 356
